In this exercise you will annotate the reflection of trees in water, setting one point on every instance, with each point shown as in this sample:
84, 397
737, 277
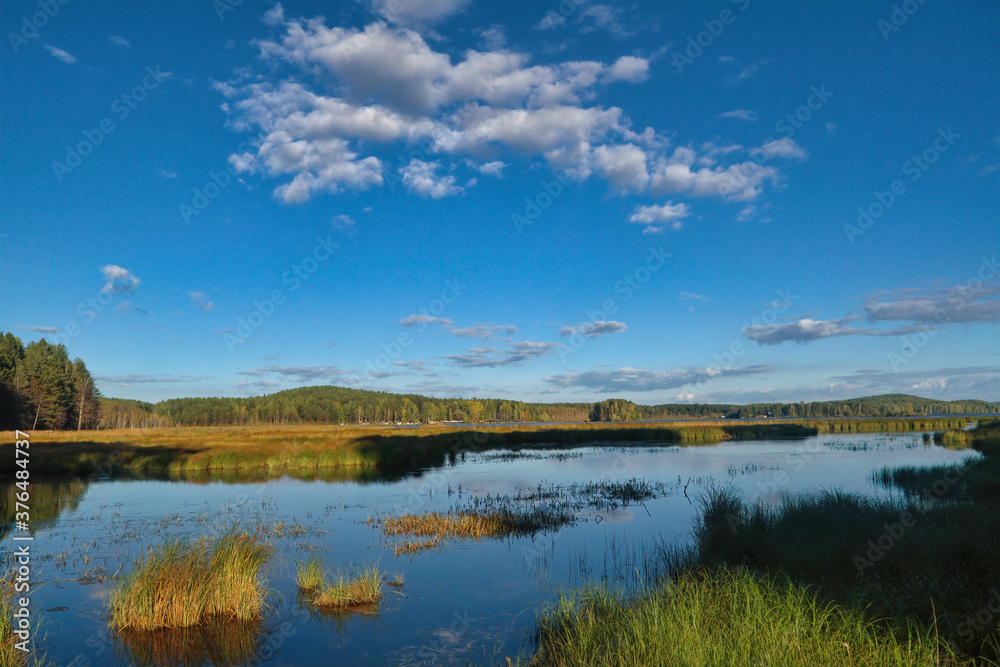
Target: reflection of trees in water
46, 503
217, 643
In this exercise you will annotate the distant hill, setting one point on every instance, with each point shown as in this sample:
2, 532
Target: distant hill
342, 405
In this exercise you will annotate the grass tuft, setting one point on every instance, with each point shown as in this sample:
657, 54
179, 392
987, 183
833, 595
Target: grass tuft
360, 587
182, 584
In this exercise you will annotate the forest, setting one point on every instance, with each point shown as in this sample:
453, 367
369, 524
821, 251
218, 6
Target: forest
41, 388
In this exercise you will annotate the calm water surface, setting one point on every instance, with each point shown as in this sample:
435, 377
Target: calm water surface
472, 601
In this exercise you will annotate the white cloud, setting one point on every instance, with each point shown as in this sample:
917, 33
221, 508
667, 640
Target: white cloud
119, 41
420, 177
654, 216
417, 13
343, 222
784, 148
386, 85
594, 328
274, 16
60, 54
629, 68
118, 280
493, 38
624, 166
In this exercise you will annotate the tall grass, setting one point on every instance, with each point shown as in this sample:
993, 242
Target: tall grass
723, 617
183, 584
345, 589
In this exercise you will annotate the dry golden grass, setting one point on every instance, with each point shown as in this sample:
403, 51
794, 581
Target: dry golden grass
361, 587
182, 584
278, 450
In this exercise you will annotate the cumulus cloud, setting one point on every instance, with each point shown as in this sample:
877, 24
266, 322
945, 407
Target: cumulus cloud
594, 328
384, 84
629, 68
60, 54
636, 379
491, 357
118, 280
420, 177
486, 331
665, 214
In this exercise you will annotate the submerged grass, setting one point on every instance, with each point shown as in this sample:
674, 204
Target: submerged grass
182, 584
361, 587
273, 451
722, 617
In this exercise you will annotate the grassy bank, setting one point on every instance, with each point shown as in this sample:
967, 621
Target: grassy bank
262, 452
720, 618
183, 584
913, 581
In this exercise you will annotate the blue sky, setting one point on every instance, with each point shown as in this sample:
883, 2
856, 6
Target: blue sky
667, 202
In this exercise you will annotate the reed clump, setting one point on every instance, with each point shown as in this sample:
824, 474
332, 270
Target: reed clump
184, 583
345, 589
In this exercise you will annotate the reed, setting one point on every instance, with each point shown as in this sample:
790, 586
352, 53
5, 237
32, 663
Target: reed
181, 584
346, 589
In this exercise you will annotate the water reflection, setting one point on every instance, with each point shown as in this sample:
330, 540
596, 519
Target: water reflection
218, 643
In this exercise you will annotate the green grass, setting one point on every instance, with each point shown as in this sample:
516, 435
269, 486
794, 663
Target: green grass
182, 584
345, 589
723, 617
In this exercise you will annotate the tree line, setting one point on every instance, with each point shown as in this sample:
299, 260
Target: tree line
41, 388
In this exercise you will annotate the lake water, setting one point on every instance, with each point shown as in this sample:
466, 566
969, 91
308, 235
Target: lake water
467, 600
